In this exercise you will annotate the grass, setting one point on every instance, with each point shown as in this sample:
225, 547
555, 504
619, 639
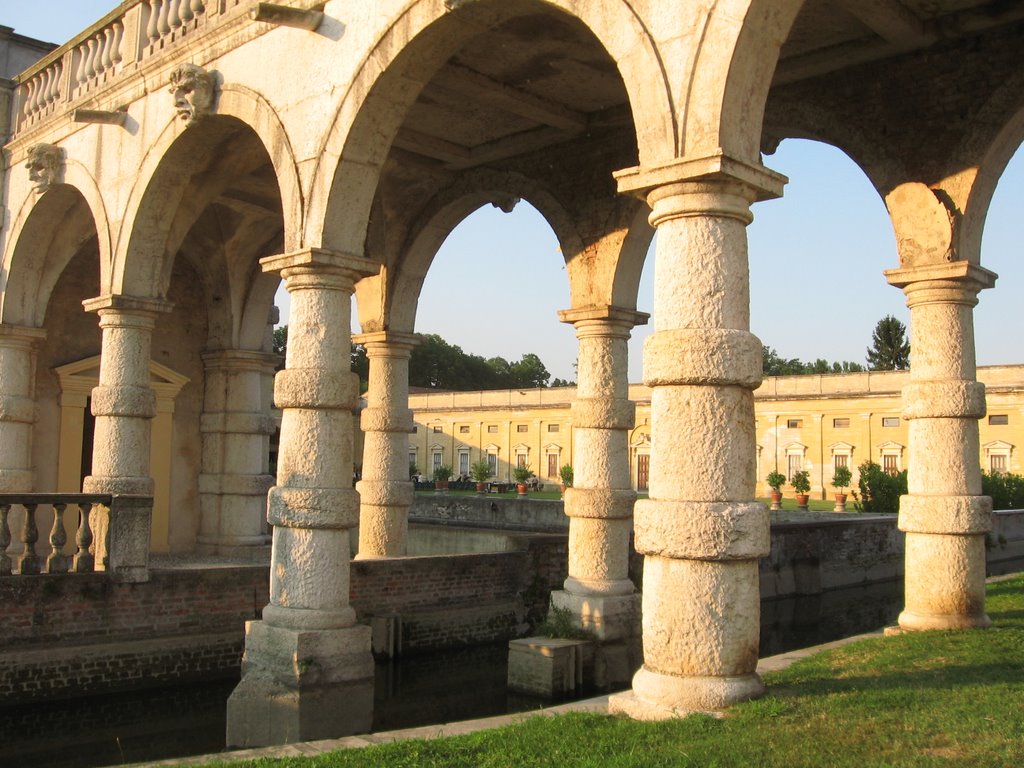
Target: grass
788, 502
920, 699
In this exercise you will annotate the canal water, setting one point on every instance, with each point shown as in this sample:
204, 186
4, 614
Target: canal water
419, 690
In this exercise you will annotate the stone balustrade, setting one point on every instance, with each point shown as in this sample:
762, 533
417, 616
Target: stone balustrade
118, 42
112, 534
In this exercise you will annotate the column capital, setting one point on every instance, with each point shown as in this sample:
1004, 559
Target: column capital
701, 176
320, 264
599, 317
128, 305
387, 343
956, 282
20, 335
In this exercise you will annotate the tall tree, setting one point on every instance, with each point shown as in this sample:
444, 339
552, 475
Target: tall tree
890, 349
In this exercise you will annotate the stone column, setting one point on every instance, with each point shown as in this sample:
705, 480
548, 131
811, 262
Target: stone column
124, 403
701, 531
18, 348
944, 515
236, 425
385, 489
307, 672
598, 592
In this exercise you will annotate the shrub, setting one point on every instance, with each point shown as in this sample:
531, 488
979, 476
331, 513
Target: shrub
879, 491
801, 481
842, 477
442, 473
1005, 488
480, 471
775, 480
566, 474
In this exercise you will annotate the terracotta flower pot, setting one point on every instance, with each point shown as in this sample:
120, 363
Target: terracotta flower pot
840, 503
801, 500
481, 487
521, 489
776, 497
440, 485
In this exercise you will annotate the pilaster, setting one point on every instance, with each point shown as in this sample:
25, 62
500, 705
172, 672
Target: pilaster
944, 514
18, 348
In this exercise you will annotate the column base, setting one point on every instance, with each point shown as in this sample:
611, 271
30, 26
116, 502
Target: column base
301, 685
916, 622
665, 697
607, 617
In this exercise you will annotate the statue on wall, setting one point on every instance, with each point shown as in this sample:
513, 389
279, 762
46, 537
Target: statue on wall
44, 164
192, 88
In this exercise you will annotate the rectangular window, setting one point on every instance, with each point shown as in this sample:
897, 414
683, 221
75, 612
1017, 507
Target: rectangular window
437, 430
794, 423
890, 421
522, 428
840, 423
999, 419
794, 463
553, 427
492, 462
463, 463
890, 464
643, 471
464, 429
412, 458
997, 463
552, 465
435, 461
520, 459
840, 460
492, 428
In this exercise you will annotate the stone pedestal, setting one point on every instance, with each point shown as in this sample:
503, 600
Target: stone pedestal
385, 490
549, 667
236, 426
307, 672
944, 514
701, 531
18, 346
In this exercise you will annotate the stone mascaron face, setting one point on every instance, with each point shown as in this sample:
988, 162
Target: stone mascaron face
43, 166
192, 88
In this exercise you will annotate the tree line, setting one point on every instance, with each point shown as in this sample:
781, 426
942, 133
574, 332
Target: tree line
436, 364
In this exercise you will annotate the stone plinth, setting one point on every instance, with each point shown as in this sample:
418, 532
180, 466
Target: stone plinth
548, 666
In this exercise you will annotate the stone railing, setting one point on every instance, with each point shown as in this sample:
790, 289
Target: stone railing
112, 535
120, 41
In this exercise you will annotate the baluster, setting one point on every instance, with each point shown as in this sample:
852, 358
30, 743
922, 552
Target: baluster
185, 11
115, 45
154, 13
57, 562
173, 16
29, 563
84, 561
31, 89
90, 58
5, 540
56, 69
48, 87
108, 34
80, 77
198, 9
97, 56
162, 27
43, 93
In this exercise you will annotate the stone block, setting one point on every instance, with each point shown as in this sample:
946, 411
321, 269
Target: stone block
549, 667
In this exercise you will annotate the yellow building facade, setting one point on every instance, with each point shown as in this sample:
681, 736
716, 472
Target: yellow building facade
812, 423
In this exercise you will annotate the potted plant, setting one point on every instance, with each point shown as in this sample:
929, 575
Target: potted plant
522, 475
801, 483
775, 481
480, 471
414, 471
441, 476
565, 473
841, 480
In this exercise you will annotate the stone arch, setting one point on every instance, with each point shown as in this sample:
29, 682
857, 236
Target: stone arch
394, 71
177, 146
447, 211
993, 158
726, 96
45, 236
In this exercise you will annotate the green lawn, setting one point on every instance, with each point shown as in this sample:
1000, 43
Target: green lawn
923, 699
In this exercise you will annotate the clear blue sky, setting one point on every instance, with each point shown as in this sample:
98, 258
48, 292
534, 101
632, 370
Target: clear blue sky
816, 256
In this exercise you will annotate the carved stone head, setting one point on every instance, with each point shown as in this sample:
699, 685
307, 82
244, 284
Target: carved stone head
44, 162
192, 88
